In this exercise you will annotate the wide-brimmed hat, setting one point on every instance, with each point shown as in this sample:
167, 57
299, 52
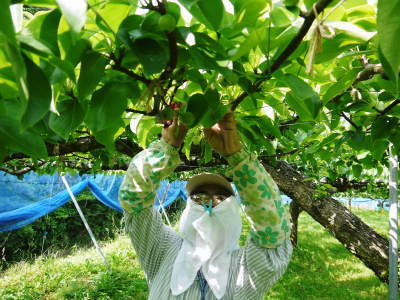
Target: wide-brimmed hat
207, 178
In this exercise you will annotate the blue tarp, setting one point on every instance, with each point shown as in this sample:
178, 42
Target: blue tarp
24, 201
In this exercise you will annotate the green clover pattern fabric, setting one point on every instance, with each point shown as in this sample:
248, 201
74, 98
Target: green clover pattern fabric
269, 221
144, 174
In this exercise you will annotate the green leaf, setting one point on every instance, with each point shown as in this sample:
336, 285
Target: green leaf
299, 87
145, 129
75, 53
357, 169
357, 140
10, 47
340, 86
107, 105
216, 110
41, 3
39, 94
208, 12
6, 23
70, 116
351, 30
74, 12
388, 23
114, 12
383, 127
395, 140
104, 116
256, 37
267, 124
12, 109
197, 106
378, 148
247, 12
130, 23
302, 98
213, 11
92, 70
152, 55
28, 142
44, 27
203, 60
280, 16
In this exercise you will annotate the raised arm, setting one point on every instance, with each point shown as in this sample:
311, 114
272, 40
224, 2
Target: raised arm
259, 194
268, 250
150, 237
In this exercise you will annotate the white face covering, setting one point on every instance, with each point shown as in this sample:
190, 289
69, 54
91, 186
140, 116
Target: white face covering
208, 244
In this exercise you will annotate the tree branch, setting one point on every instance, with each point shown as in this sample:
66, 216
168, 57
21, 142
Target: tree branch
117, 66
82, 144
290, 48
146, 113
349, 120
173, 56
389, 107
23, 171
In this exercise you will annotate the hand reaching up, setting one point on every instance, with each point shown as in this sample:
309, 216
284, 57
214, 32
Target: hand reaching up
223, 136
174, 133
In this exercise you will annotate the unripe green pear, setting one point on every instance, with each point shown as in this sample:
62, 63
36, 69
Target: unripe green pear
167, 23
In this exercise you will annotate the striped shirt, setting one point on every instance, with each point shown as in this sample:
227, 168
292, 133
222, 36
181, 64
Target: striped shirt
252, 273
253, 269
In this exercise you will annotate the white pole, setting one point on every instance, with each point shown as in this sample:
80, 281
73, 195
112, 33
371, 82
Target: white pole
393, 226
162, 206
85, 222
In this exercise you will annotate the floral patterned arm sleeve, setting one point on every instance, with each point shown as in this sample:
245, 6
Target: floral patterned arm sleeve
269, 221
144, 174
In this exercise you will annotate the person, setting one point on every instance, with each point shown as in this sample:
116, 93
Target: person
204, 260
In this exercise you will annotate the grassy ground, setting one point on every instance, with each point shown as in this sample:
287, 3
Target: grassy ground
321, 268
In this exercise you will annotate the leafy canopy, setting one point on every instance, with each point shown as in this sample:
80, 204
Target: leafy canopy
321, 92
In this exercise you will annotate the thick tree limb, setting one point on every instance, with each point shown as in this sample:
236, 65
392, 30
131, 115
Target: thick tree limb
342, 184
83, 145
360, 239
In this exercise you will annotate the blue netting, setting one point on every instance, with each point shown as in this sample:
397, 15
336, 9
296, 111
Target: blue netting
24, 201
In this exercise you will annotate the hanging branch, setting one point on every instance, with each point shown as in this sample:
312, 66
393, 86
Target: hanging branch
389, 107
349, 120
290, 48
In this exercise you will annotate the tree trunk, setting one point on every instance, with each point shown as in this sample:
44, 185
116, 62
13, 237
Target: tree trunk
360, 239
295, 211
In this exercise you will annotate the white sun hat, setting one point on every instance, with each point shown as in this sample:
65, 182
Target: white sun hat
207, 178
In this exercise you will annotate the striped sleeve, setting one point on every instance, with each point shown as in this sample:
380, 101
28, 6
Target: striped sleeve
151, 239
259, 268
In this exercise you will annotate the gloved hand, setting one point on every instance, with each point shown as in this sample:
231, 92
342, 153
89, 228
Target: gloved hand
174, 132
223, 136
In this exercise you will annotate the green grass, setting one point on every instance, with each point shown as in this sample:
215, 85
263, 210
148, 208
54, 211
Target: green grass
321, 268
